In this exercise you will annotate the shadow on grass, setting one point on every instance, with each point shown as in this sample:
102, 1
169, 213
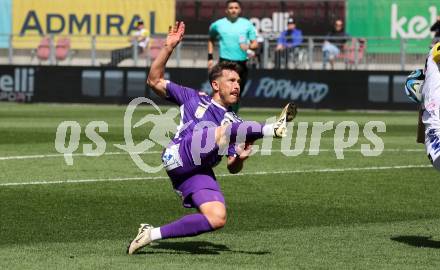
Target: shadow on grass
417, 241
195, 247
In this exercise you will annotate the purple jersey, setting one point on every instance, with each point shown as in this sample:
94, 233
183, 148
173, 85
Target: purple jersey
196, 107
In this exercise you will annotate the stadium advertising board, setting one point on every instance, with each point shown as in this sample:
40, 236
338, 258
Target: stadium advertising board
320, 89
393, 20
5, 22
17, 83
83, 18
266, 88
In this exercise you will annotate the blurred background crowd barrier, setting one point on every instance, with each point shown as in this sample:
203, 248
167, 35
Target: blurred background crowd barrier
94, 51
384, 34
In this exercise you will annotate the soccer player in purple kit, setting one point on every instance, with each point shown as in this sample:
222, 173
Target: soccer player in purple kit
208, 130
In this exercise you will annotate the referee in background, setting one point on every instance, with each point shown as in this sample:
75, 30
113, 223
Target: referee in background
237, 39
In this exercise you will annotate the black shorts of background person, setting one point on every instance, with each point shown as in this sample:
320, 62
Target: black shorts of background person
120, 55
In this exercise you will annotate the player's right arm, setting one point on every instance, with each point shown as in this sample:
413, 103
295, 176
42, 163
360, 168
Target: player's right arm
156, 77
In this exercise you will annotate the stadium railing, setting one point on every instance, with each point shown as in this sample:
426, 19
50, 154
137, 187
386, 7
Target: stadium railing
192, 52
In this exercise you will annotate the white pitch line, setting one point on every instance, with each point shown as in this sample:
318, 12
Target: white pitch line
74, 155
72, 181
158, 152
324, 170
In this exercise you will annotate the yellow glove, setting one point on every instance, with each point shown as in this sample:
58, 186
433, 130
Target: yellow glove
436, 53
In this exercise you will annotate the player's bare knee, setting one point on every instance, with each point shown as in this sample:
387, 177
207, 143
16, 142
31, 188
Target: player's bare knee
215, 213
217, 221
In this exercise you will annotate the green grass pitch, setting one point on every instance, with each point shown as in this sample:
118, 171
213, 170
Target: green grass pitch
303, 212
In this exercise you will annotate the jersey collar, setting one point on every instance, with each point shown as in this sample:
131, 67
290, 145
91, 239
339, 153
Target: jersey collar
218, 105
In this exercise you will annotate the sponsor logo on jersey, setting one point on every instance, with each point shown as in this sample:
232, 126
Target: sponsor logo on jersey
200, 111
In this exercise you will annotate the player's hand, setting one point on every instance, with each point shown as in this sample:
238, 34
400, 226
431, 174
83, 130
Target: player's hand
244, 150
175, 34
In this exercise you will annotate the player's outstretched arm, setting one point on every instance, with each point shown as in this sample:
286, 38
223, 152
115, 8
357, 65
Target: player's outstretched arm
156, 77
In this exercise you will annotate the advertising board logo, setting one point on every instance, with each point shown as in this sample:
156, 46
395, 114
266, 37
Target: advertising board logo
19, 86
160, 133
83, 24
110, 20
277, 23
291, 90
346, 135
415, 27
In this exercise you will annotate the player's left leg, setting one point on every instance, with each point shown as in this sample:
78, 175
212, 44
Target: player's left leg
251, 130
431, 104
205, 144
211, 216
189, 225
433, 147
436, 163
199, 191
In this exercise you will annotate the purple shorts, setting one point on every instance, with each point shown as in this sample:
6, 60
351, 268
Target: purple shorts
182, 159
198, 189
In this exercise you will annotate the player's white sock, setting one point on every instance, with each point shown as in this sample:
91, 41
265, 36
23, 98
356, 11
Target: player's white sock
268, 130
155, 234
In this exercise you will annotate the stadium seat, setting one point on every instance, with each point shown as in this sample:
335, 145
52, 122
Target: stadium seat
350, 56
290, 6
207, 10
187, 9
42, 51
254, 10
271, 7
63, 49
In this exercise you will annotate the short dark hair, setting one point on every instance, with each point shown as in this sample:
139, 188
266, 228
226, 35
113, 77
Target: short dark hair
217, 70
233, 1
